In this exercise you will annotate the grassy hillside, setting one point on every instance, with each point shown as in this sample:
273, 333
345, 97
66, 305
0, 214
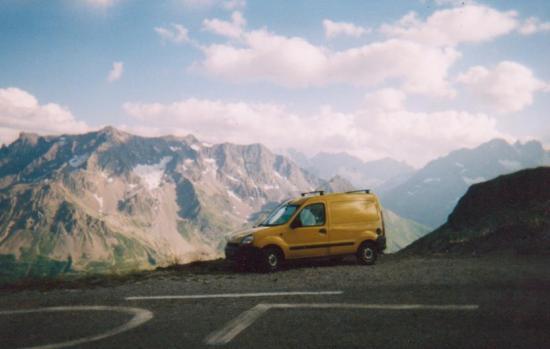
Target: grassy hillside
401, 232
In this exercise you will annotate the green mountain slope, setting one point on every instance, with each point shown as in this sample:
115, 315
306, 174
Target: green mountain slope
401, 232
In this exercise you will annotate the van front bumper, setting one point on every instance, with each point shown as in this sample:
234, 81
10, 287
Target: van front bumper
236, 252
381, 243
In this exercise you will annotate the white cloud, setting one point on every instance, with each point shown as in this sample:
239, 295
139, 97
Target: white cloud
533, 25
386, 99
418, 137
295, 62
373, 132
20, 111
116, 72
449, 27
334, 29
233, 29
508, 87
177, 33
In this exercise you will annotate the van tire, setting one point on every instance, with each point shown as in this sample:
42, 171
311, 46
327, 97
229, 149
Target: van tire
367, 253
271, 259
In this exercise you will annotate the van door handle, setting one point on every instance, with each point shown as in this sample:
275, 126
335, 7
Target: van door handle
322, 231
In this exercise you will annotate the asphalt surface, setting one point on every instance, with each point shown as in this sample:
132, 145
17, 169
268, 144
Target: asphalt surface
500, 301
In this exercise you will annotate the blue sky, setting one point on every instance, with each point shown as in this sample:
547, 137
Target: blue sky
407, 79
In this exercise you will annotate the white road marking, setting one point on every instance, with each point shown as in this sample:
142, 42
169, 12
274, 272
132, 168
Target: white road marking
244, 320
377, 306
141, 316
236, 326
237, 295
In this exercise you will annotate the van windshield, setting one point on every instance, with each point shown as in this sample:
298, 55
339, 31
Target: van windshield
280, 215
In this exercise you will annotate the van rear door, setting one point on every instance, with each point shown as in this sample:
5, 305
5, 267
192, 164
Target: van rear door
349, 219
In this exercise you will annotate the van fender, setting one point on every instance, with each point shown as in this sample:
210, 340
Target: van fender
367, 235
274, 241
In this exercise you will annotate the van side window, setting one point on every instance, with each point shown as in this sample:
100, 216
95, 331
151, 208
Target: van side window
312, 215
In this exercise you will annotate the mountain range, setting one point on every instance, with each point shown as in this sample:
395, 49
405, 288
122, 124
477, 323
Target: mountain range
111, 201
378, 175
431, 193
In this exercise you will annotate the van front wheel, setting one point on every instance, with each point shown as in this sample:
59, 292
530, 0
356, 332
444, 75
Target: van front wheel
271, 259
367, 254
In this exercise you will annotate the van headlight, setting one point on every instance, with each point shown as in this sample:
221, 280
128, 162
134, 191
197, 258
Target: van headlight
247, 240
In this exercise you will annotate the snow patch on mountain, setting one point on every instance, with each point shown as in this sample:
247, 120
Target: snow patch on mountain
78, 160
231, 178
99, 201
232, 194
471, 181
429, 180
510, 164
210, 161
211, 166
278, 175
151, 175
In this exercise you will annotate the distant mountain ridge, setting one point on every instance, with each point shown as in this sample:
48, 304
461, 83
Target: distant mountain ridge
432, 192
379, 174
508, 213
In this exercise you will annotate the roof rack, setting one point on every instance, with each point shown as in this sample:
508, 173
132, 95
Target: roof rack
321, 192
366, 191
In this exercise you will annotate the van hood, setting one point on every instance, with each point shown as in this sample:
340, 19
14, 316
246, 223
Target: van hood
237, 236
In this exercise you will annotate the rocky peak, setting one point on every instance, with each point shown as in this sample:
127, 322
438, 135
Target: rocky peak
337, 184
28, 138
190, 139
113, 134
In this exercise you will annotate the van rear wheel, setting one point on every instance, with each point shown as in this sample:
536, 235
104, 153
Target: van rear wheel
271, 259
367, 253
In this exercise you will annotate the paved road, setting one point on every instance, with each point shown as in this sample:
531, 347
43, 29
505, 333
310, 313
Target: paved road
489, 302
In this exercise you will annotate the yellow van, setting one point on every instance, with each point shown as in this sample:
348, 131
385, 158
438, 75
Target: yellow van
312, 226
